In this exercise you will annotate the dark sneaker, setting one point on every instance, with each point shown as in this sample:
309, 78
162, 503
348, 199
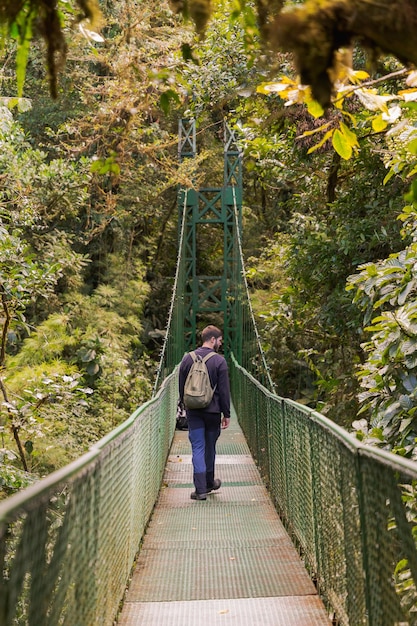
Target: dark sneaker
217, 483
198, 496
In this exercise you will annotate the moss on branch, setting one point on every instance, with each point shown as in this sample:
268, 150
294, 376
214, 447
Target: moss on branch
314, 32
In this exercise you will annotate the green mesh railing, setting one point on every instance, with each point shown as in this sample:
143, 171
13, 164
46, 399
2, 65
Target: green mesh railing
349, 508
68, 543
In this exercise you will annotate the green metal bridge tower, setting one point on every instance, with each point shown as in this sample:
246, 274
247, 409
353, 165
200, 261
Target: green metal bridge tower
208, 211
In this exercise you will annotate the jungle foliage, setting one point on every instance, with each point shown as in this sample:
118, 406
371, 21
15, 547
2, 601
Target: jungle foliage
87, 210
88, 216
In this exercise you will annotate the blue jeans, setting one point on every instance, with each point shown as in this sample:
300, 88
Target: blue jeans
203, 432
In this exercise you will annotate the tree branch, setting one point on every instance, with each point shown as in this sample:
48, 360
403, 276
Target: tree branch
372, 83
315, 31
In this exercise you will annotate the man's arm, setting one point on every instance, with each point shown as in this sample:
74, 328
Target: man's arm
224, 392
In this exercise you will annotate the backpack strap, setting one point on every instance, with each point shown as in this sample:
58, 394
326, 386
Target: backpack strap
195, 357
206, 358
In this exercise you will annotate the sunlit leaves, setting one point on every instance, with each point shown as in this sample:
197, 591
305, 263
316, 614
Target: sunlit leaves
22, 104
344, 141
289, 90
373, 101
90, 35
341, 144
348, 84
223, 71
108, 165
314, 108
243, 13
379, 124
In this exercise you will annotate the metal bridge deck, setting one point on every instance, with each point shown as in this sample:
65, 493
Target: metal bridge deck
224, 561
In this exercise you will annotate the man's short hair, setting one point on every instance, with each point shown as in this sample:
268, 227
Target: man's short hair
210, 331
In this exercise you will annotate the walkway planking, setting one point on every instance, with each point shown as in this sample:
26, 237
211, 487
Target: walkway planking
224, 561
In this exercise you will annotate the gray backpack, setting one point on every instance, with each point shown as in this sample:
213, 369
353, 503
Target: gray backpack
197, 389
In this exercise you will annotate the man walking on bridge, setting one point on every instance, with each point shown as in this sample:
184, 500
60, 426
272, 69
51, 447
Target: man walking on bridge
204, 424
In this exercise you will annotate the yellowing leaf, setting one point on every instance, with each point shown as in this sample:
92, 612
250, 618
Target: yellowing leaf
379, 124
315, 130
283, 85
341, 144
409, 95
288, 80
315, 109
373, 101
323, 141
351, 117
360, 74
350, 136
412, 79
267, 88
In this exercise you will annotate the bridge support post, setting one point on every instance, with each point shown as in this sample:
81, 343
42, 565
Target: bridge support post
208, 297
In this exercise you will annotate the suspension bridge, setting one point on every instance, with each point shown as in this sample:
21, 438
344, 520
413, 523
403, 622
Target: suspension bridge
310, 527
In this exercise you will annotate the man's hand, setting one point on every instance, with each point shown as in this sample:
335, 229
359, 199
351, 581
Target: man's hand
225, 422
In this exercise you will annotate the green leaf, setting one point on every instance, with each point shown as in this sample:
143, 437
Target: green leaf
401, 565
188, 53
404, 293
93, 368
388, 176
29, 446
23, 34
164, 102
412, 146
341, 144
165, 99
87, 355
411, 196
405, 423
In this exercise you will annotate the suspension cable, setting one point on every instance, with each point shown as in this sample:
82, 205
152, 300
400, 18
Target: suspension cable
245, 282
173, 299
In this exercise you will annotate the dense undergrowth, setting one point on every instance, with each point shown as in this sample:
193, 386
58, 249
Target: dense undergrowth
88, 226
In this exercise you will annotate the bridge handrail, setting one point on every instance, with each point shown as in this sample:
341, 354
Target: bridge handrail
349, 508
68, 542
